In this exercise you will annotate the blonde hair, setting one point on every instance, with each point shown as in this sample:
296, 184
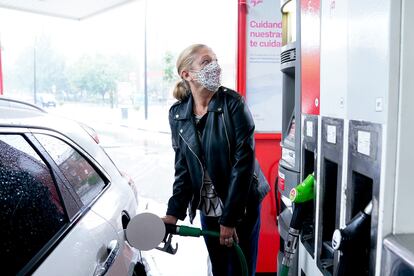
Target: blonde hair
184, 62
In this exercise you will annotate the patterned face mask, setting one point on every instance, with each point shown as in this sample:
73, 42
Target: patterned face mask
210, 76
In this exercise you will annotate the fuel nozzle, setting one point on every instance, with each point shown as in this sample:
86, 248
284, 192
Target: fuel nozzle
350, 235
304, 191
353, 243
301, 196
181, 230
188, 231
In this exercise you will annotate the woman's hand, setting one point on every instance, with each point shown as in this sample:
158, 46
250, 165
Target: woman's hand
228, 235
169, 219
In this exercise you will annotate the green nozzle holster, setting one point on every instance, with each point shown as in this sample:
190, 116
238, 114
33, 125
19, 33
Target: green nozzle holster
304, 191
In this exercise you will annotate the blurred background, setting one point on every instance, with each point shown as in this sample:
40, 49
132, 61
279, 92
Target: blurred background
115, 71
122, 59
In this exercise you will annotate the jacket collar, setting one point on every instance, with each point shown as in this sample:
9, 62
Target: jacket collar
187, 128
216, 103
186, 110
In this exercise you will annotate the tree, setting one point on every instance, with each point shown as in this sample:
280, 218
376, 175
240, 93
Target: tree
169, 68
95, 75
168, 73
50, 68
99, 75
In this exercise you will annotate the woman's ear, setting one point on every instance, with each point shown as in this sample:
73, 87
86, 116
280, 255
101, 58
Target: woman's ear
186, 75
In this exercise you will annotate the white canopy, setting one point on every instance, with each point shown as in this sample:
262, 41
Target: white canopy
71, 9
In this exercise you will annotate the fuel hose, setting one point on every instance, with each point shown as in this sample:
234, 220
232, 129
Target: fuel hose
187, 231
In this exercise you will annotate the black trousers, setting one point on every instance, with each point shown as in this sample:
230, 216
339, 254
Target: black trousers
224, 259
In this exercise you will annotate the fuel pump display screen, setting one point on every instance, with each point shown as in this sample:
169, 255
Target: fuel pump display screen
288, 152
290, 137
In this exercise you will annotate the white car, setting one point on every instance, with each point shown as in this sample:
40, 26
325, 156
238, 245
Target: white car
46, 100
64, 204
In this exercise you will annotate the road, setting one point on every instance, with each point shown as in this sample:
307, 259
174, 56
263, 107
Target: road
147, 157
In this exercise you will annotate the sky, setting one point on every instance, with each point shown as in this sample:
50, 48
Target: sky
171, 26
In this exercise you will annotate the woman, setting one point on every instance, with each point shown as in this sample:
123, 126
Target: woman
215, 168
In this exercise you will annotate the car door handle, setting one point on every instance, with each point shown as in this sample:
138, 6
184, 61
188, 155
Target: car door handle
112, 249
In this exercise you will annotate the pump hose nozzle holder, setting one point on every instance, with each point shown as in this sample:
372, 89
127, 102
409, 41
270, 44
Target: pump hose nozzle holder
301, 195
349, 240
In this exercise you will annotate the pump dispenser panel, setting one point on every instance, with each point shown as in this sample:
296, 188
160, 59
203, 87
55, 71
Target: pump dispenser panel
364, 172
309, 166
330, 191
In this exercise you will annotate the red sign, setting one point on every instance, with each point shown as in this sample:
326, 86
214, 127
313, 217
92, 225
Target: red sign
268, 149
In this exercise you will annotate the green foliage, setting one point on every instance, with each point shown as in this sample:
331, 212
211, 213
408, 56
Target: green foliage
90, 76
98, 75
50, 68
169, 68
95, 75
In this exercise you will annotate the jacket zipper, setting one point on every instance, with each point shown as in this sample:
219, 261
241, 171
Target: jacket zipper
202, 169
227, 136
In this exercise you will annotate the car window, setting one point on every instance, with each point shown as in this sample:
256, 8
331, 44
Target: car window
31, 209
77, 170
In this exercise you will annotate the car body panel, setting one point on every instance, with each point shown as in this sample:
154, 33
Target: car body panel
84, 246
82, 249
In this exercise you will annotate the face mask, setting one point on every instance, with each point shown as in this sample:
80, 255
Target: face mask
210, 76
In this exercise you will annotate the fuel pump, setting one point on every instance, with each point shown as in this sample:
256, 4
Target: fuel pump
364, 136
289, 165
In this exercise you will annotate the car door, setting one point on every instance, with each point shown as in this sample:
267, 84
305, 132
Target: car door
33, 214
90, 248
118, 203
98, 244
59, 233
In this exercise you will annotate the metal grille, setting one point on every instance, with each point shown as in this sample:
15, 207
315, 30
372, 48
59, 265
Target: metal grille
288, 56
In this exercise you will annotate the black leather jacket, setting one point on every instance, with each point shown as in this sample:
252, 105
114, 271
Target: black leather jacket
226, 150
